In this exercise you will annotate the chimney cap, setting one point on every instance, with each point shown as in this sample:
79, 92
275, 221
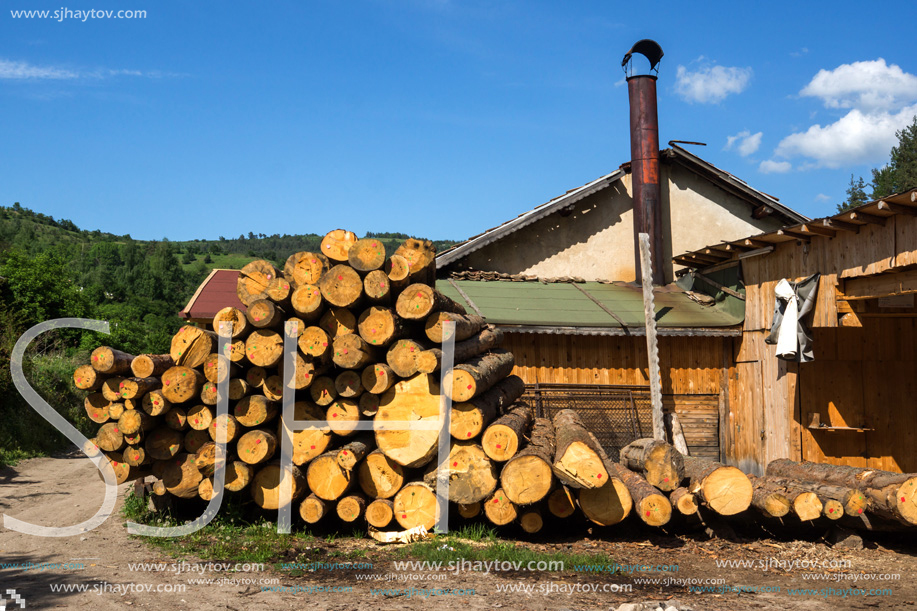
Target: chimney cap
649, 49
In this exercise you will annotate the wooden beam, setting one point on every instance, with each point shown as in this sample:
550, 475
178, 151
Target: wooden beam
850, 320
716, 253
818, 230
897, 208
717, 286
880, 285
737, 248
794, 233
684, 261
755, 243
864, 217
761, 211
704, 258
841, 225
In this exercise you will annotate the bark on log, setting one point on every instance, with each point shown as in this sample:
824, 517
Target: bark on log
253, 280
606, 505
430, 361
466, 327
380, 477
651, 505
505, 436
469, 419
415, 399
579, 460
767, 500
192, 345
888, 495
416, 505
336, 244
349, 455
418, 301
472, 378
110, 362
527, 477
725, 490
660, 463
472, 476
134, 388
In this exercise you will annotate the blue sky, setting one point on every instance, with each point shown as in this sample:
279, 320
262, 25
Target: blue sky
432, 117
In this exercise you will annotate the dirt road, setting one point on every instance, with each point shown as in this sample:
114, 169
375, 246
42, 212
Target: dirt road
49, 572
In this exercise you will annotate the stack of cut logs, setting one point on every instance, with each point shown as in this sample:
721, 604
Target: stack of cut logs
368, 332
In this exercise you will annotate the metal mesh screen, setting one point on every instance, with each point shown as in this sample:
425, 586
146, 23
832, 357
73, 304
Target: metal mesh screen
616, 415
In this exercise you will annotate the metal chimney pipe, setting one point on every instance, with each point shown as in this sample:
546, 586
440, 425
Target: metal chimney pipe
644, 153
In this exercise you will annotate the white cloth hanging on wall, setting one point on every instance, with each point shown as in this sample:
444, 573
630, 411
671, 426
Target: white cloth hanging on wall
787, 342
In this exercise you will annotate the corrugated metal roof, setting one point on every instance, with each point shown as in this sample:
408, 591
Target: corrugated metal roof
216, 292
555, 306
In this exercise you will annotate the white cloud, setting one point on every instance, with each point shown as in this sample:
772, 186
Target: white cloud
711, 84
857, 137
745, 142
867, 85
22, 71
821, 197
774, 167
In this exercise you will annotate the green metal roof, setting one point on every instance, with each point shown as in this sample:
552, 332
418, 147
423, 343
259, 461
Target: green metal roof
533, 304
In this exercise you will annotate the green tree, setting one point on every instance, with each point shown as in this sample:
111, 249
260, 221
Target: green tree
856, 194
901, 172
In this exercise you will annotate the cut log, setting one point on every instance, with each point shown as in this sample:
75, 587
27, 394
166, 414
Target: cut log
305, 268
466, 327
265, 314
398, 272
472, 510
236, 317
315, 342
305, 370
322, 391
111, 388
97, 407
181, 476
418, 301
264, 348
238, 389
313, 509
527, 476
341, 286
155, 403
608, 504
503, 438
420, 256
768, 500
660, 463
416, 505
725, 490
336, 244
238, 476
379, 326
651, 505
366, 255
176, 418
109, 437
134, 388
205, 489
192, 345
134, 439
402, 357
531, 520
225, 425
377, 287
110, 361
380, 477
888, 495
499, 509
369, 405
123, 471
85, 377
561, 502
307, 302
338, 321
135, 456
472, 378
327, 479
351, 507
342, 416
132, 421
352, 352
579, 460
348, 384
218, 368
194, 440
308, 441
237, 350
273, 388
380, 513
180, 384
415, 399
254, 279
254, 410
255, 376
151, 365
833, 510
115, 410
684, 501
472, 476
488, 338
161, 444
267, 485
378, 378
206, 458
349, 455
256, 446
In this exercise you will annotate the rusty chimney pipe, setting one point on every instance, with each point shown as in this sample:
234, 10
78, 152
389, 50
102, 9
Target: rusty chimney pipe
644, 152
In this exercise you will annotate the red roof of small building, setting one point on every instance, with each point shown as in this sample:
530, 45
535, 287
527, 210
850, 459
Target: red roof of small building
216, 292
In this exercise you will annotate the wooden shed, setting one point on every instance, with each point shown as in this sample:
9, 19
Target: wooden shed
854, 403
217, 291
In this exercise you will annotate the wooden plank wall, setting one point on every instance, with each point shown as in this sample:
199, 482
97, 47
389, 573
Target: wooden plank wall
690, 365
854, 371
699, 418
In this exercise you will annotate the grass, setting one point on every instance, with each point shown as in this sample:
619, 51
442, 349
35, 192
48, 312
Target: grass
219, 262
